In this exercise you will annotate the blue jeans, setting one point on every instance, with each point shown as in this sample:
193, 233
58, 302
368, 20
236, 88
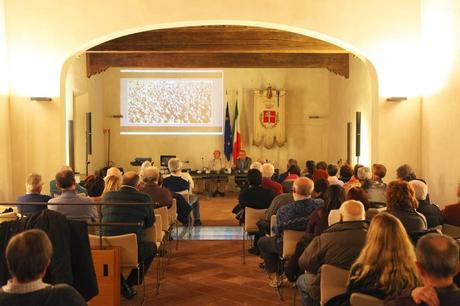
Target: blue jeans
303, 284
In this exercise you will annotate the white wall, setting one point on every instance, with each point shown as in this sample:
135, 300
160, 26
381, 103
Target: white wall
441, 108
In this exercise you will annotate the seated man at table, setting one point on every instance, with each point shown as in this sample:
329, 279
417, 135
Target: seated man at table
130, 214
176, 183
217, 164
243, 162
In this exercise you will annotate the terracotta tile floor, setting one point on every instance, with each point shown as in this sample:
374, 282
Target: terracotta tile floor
211, 273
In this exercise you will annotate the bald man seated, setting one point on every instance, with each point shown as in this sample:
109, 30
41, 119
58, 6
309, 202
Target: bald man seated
339, 245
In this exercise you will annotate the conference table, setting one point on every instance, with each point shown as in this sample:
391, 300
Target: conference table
217, 176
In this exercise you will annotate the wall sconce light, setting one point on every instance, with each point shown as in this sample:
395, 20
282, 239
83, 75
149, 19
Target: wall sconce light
396, 99
41, 99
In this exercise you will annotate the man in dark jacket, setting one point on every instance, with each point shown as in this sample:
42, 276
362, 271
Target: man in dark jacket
130, 214
431, 212
437, 264
339, 245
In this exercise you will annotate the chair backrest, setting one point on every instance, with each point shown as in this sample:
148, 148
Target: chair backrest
185, 194
333, 282
272, 225
163, 212
158, 227
451, 230
127, 244
172, 212
10, 216
359, 299
251, 216
290, 239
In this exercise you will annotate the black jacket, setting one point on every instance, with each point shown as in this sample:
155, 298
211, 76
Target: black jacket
71, 263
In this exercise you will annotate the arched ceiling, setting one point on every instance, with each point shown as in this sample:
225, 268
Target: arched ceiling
217, 47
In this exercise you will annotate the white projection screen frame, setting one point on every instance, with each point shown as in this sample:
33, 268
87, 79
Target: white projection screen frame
171, 102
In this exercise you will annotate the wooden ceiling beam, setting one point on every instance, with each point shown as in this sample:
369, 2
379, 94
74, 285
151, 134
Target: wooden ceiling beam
99, 62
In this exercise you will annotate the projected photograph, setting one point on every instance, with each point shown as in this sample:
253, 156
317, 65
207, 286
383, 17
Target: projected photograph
169, 102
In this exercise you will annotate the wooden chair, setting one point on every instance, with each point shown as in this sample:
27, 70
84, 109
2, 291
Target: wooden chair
333, 282
155, 233
251, 216
272, 225
172, 215
359, 299
290, 239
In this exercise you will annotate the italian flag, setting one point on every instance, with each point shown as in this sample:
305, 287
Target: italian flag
236, 132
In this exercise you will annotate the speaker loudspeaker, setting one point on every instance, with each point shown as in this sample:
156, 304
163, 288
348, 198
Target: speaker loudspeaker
358, 134
89, 137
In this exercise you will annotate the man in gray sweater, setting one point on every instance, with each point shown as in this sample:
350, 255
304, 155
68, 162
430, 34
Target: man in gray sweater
28, 255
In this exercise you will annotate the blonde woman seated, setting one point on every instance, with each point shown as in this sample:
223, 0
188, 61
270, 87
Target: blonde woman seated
386, 265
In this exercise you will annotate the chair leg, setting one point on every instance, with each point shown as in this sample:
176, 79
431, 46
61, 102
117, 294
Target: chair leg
177, 235
158, 275
244, 247
279, 278
295, 294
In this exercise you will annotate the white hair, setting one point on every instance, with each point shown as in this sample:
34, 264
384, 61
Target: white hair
420, 189
268, 170
174, 164
150, 174
256, 165
364, 173
33, 182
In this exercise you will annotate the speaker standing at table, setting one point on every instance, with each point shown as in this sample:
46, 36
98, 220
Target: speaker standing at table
217, 164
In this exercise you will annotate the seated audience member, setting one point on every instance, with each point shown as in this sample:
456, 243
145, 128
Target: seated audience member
256, 197
310, 167
28, 256
176, 183
386, 264
267, 173
355, 193
339, 245
437, 264
402, 204
405, 173
319, 219
95, 185
256, 165
321, 186
114, 171
282, 176
332, 172
354, 180
293, 216
377, 189
322, 165
65, 181
320, 174
130, 214
278, 202
55, 191
243, 161
112, 183
431, 212
365, 177
34, 186
217, 186
346, 172
160, 196
293, 173
452, 212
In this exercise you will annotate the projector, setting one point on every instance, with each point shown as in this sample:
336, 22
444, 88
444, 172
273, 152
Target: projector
138, 161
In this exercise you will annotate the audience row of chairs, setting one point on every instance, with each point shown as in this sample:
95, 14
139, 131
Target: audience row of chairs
333, 279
